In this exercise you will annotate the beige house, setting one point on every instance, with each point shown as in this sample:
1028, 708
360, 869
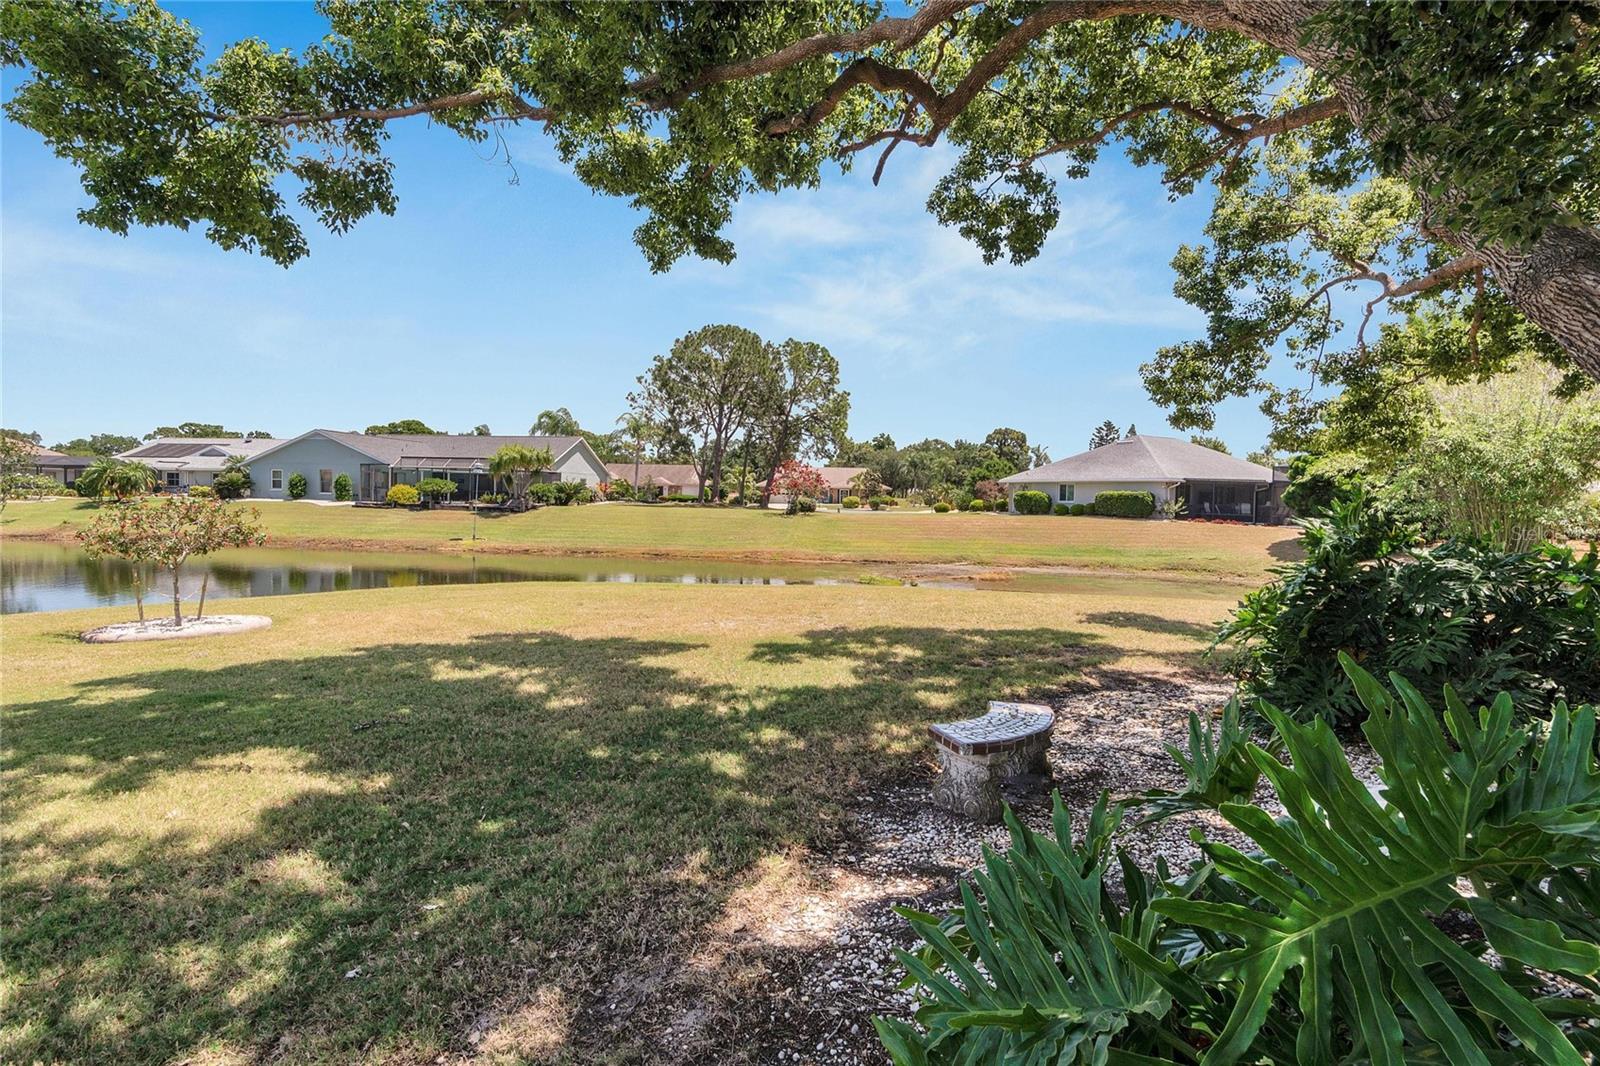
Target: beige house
668, 479
1211, 484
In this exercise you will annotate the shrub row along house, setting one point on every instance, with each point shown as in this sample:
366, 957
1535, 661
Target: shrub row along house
1209, 483
371, 461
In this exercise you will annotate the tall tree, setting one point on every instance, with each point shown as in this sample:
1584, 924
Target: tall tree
413, 426
1010, 445
192, 429
1133, 431
713, 384
31, 437
1039, 455
806, 411
482, 430
1216, 444
1105, 433
1407, 150
556, 423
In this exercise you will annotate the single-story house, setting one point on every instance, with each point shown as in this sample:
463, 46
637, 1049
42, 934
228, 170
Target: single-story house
1211, 484
376, 461
64, 468
668, 479
837, 479
183, 461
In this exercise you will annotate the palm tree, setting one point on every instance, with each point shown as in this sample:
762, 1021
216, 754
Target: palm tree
119, 478
1039, 456
518, 464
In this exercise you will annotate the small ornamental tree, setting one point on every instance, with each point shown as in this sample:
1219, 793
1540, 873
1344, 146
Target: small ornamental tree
434, 489
342, 489
797, 481
167, 534
297, 485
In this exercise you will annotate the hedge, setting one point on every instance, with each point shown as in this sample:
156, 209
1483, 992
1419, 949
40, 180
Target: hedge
850, 503
1080, 508
1031, 501
1061, 508
402, 495
1121, 504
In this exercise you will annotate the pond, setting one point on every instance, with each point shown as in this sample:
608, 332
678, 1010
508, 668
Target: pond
51, 577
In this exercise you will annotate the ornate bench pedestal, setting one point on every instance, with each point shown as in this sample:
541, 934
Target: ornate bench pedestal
978, 753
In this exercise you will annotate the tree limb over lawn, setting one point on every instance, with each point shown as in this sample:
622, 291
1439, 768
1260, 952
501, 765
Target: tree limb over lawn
1450, 151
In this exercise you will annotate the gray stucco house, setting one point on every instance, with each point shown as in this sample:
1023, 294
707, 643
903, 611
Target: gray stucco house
375, 461
1210, 483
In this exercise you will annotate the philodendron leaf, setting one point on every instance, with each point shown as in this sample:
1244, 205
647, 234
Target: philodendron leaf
1349, 881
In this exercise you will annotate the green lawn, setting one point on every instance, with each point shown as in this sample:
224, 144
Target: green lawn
409, 823
872, 537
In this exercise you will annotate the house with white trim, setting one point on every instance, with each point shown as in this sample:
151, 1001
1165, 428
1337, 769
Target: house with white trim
1211, 484
375, 461
183, 461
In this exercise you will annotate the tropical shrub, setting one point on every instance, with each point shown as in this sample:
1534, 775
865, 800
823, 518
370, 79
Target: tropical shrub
564, 493
519, 464
202, 492
32, 486
878, 503
1325, 938
1080, 509
232, 484
493, 499
850, 503
1121, 503
403, 496
297, 485
800, 505
1485, 619
1031, 501
117, 478
977, 503
435, 489
617, 489
342, 489
1061, 508
1316, 482
942, 507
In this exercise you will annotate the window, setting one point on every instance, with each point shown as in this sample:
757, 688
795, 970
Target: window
1066, 493
172, 479
326, 478
277, 479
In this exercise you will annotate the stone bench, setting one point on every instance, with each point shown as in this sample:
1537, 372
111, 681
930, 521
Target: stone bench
977, 754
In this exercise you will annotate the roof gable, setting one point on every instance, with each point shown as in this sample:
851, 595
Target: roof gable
1146, 458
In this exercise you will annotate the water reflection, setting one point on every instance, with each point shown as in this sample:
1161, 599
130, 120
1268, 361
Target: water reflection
50, 577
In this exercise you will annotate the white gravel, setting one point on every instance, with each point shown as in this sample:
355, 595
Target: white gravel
212, 625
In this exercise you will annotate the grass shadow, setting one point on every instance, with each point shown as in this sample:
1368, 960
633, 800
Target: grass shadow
1151, 623
362, 857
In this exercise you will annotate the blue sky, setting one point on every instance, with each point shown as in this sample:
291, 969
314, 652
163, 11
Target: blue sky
494, 293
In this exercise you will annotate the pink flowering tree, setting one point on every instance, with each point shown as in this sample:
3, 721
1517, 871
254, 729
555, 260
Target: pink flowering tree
797, 481
166, 535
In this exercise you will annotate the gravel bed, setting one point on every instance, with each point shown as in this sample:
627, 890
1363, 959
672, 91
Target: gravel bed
903, 851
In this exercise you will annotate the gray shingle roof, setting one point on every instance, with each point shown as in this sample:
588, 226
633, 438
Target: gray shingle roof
1142, 458
667, 473
393, 447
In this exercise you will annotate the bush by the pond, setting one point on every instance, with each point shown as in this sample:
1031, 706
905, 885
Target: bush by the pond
1061, 508
1486, 620
1041, 961
977, 504
1080, 509
297, 485
1031, 501
403, 495
342, 489
850, 503
1121, 503
942, 507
